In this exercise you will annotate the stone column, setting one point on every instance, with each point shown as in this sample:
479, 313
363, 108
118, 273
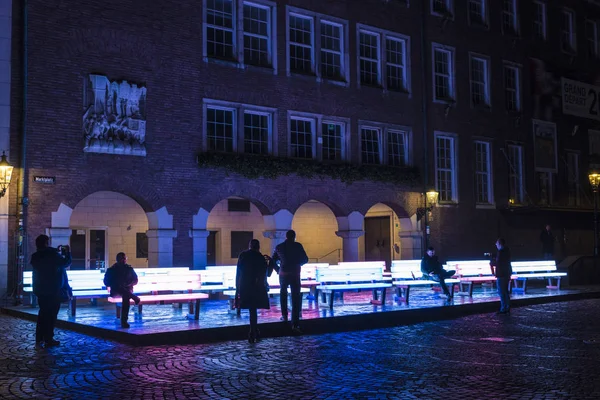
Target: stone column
411, 244
199, 247
277, 236
350, 244
59, 236
160, 247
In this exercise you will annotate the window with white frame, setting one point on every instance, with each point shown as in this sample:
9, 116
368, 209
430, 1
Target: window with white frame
480, 83
370, 143
539, 20
332, 51
395, 64
512, 87
301, 43
220, 29
509, 17
591, 33
257, 34
370, 58
445, 168
381, 144
567, 31
226, 123
255, 44
383, 59
573, 184
397, 148
443, 73
302, 132
333, 137
257, 132
220, 129
478, 12
483, 176
441, 7
317, 45
515, 174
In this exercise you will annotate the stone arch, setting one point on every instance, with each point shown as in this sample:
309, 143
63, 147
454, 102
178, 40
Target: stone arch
111, 213
229, 229
294, 204
263, 201
316, 225
137, 189
404, 237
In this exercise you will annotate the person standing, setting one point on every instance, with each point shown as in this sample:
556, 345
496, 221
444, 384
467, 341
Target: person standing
250, 283
547, 238
502, 270
432, 269
292, 257
121, 278
49, 270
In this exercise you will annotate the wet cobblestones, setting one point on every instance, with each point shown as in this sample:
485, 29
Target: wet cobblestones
549, 351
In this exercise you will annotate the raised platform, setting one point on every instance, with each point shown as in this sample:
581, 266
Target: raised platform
167, 324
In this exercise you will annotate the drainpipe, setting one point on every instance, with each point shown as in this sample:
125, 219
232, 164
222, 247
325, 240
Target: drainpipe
424, 115
23, 200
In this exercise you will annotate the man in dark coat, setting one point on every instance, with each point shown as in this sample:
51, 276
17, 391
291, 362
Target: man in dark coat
432, 269
502, 270
121, 278
250, 285
292, 257
49, 266
547, 239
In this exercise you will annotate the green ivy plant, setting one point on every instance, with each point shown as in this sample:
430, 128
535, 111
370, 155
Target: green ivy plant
257, 166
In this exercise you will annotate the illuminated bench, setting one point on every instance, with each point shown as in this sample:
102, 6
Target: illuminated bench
156, 281
524, 270
86, 284
407, 273
227, 273
470, 272
193, 299
355, 276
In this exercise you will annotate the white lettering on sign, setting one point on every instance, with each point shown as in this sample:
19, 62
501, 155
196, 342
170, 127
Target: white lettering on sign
580, 99
44, 179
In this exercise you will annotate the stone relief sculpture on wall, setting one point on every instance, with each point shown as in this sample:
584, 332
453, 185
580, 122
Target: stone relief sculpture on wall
114, 119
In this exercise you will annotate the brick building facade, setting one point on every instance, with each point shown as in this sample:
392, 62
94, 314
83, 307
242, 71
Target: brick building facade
120, 101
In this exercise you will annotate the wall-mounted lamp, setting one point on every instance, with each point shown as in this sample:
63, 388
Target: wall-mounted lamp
431, 199
5, 174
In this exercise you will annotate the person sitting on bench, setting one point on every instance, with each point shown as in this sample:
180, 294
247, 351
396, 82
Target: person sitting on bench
121, 278
432, 270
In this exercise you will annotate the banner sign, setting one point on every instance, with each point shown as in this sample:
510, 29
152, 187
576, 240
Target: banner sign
580, 99
545, 149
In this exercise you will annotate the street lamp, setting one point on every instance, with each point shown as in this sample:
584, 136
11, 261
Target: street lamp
430, 199
594, 176
5, 174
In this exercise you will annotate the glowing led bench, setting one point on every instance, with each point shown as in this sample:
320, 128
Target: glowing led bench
354, 276
524, 270
193, 300
470, 272
407, 273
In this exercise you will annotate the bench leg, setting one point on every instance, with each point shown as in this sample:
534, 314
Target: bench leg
375, 295
551, 286
452, 291
331, 296
139, 308
311, 294
73, 306
383, 292
118, 306
406, 294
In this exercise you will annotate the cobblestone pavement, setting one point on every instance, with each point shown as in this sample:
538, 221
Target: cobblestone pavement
549, 351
